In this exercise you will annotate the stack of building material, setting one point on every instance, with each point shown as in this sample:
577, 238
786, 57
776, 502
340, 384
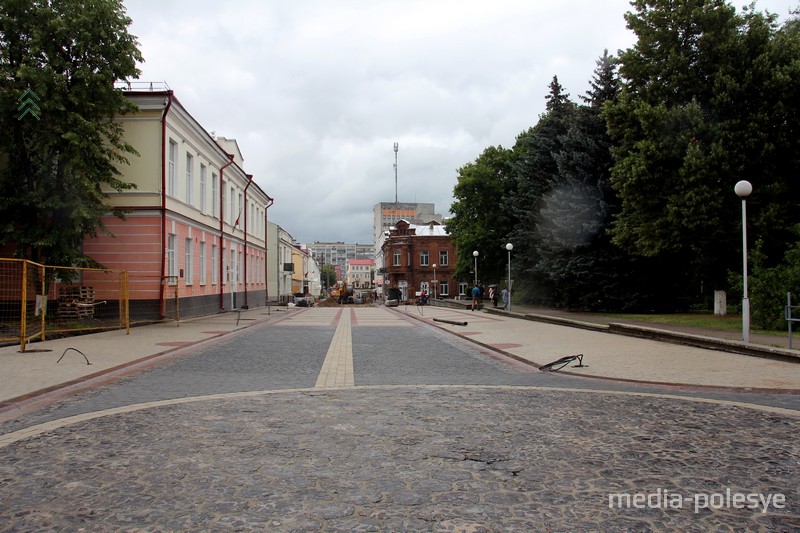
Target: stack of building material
76, 302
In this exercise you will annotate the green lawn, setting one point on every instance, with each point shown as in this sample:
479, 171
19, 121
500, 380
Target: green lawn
702, 320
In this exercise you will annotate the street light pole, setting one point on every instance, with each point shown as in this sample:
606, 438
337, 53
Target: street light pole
434, 281
475, 254
743, 190
509, 247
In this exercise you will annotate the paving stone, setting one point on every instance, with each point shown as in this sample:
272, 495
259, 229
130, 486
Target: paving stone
489, 464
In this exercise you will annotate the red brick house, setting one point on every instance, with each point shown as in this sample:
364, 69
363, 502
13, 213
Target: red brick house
418, 258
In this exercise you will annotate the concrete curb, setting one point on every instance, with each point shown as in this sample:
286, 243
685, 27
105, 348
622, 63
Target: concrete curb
687, 339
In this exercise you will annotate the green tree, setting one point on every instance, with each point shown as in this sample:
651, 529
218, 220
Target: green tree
708, 98
481, 221
327, 274
57, 166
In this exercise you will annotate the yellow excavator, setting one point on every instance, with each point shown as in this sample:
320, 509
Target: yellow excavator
342, 292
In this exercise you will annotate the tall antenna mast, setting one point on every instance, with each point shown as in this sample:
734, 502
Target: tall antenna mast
396, 146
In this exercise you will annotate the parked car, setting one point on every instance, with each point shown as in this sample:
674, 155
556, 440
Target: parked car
393, 296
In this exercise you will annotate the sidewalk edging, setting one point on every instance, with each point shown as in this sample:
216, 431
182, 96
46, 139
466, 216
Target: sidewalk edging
687, 339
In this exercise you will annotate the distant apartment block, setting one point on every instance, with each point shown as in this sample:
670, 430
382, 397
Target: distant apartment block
338, 254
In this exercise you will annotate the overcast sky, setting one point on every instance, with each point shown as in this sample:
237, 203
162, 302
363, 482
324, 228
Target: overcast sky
316, 92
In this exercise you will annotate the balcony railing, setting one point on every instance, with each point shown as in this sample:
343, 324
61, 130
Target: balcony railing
142, 86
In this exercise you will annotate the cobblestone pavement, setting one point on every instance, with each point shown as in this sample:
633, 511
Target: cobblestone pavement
407, 458
434, 435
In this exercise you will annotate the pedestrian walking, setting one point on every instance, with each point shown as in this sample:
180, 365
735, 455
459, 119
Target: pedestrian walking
476, 296
505, 299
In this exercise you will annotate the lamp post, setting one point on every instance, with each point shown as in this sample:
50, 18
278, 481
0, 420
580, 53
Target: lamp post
475, 254
434, 281
509, 247
743, 190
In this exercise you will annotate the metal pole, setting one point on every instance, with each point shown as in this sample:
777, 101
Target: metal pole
509, 281
789, 316
745, 298
434, 282
396, 146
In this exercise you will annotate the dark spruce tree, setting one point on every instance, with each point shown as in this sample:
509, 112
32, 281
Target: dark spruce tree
535, 172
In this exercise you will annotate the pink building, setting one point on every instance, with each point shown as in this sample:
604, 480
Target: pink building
360, 273
195, 230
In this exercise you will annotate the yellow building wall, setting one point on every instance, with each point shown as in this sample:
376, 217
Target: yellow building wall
143, 132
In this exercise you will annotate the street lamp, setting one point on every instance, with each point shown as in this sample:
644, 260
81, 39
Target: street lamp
434, 281
743, 190
475, 254
509, 247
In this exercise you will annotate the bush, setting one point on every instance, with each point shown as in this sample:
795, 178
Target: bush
768, 287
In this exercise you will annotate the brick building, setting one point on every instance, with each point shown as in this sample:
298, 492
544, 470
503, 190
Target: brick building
419, 258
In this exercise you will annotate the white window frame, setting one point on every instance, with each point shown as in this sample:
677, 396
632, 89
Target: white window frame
232, 218
203, 267
444, 289
189, 178
396, 258
172, 267
214, 265
444, 260
213, 194
462, 288
188, 273
424, 258
172, 154
203, 176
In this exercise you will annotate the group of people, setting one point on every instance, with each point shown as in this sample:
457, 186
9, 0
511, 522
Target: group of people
478, 292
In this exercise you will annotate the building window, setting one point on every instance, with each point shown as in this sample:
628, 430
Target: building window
172, 268
423, 258
172, 155
443, 290
213, 194
239, 211
214, 265
397, 258
189, 178
202, 262
462, 289
443, 259
232, 272
233, 207
203, 172
189, 273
